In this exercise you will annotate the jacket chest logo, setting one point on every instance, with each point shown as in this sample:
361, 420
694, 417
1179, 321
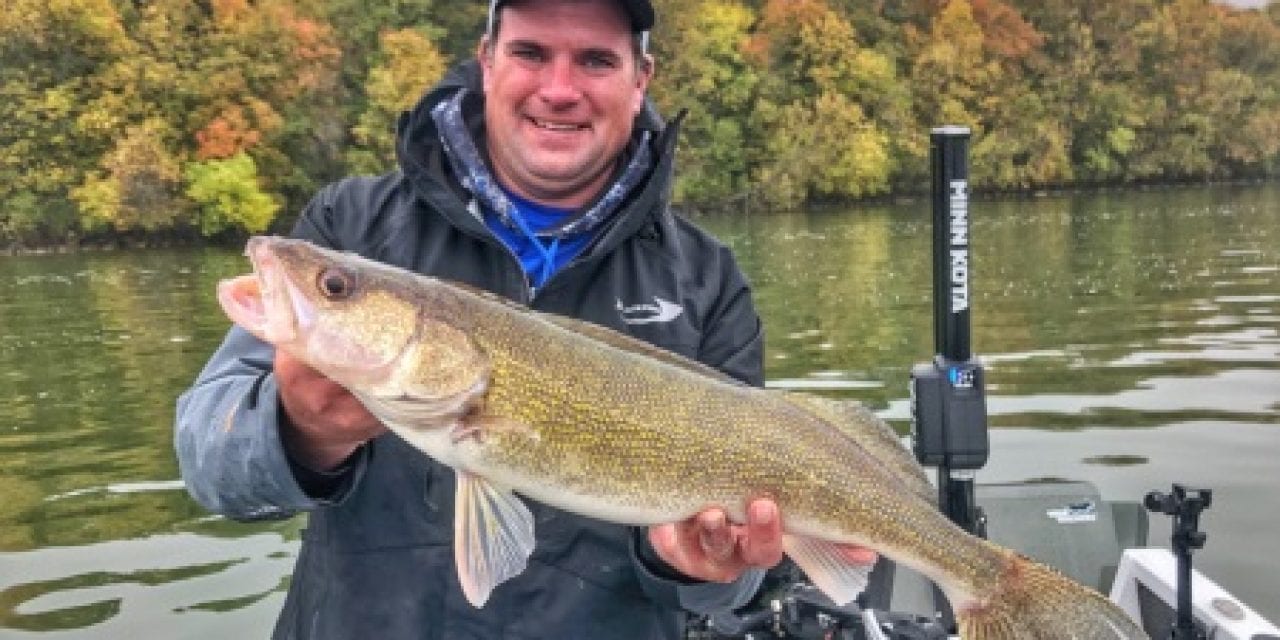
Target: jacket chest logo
658, 311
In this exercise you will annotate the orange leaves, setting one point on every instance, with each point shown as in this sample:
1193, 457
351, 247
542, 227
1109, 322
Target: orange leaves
1005, 31
229, 11
316, 50
783, 20
225, 136
236, 129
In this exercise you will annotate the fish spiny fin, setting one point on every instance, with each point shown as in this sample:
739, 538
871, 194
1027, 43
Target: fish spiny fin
492, 536
633, 345
603, 334
873, 434
823, 563
1031, 600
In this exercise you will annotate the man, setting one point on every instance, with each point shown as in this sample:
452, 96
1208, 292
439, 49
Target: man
538, 172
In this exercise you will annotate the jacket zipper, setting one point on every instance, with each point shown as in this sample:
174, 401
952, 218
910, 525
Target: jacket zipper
529, 291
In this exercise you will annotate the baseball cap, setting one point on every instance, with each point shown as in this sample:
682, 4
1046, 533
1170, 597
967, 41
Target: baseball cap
640, 12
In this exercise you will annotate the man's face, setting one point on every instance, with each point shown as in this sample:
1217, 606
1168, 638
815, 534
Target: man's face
562, 87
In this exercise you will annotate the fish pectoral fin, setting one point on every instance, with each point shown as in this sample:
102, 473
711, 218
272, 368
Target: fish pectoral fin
823, 563
410, 409
492, 536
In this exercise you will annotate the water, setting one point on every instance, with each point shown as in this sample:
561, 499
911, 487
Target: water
1132, 339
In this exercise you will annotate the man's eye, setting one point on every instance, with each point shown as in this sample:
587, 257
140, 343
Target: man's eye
599, 62
532, 55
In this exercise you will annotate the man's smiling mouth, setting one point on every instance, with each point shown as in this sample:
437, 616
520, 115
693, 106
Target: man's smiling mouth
556, 126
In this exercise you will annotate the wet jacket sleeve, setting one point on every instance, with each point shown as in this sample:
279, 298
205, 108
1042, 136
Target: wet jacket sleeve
733, 341
227, 433
733, 338
227, 438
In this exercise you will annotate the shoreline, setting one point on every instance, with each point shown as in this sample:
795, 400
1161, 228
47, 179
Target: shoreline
188, 239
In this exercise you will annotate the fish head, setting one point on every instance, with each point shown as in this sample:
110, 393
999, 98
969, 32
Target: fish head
339, 313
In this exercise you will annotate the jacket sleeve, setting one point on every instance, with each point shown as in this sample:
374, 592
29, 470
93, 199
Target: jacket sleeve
227, 433
733, 336
227, 438
665, 586
733, 341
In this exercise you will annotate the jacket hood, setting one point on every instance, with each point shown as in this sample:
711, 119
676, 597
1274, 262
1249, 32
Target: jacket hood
425, 165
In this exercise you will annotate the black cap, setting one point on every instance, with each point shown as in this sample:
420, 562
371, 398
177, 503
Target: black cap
640, 12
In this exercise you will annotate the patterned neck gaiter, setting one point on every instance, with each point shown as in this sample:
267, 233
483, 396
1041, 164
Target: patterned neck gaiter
473, 172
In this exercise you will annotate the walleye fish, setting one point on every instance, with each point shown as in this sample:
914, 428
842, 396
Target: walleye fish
594, 422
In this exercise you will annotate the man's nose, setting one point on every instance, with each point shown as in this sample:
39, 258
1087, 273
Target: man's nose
560, 83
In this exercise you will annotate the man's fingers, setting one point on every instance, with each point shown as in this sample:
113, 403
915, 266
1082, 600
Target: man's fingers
663, 539
681, 546
762, 544
715, 536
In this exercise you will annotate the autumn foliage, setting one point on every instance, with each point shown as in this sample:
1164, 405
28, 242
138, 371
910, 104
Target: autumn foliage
218, 116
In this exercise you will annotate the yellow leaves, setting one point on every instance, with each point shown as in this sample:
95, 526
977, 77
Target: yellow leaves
411, 63
822, 148
138, 186
48, 24
1261, 139
98, 122
703, 67
226, 12
957, 37
707, 65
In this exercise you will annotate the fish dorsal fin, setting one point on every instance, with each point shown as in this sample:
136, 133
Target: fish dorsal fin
823, 563
873, 434
627, 343
606, 336
492, 536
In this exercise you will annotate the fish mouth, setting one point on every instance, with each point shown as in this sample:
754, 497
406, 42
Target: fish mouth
265, 302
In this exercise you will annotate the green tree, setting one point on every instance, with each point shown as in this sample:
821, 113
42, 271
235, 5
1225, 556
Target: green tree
1087, 75
816, 140
228, 195
138, 187
1192, 95
973, 68
702, 68
52, 127
410, 65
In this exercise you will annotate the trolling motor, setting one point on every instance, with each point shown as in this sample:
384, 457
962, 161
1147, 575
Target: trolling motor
948, 400
949, 425
1185, 506
949, 429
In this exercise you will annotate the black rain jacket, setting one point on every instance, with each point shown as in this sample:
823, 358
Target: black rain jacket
376, 559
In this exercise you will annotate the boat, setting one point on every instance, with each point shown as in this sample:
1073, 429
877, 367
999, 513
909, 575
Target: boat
1065, 524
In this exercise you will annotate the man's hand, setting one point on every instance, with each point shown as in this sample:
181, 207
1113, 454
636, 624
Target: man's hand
708, 547
325, 423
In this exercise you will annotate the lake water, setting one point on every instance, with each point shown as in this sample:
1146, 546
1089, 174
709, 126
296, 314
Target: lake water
1132, 339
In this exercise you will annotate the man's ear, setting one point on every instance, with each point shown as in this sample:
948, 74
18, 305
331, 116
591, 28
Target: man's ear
484, 56
644, 74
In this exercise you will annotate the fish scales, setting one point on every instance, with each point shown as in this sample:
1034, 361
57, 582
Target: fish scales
587, 420
620, 426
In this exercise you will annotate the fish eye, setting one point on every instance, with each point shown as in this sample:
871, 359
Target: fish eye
336, 284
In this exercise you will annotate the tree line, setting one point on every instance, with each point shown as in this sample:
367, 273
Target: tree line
208, 117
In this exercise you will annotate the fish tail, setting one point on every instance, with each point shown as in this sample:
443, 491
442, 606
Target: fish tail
1034, 602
